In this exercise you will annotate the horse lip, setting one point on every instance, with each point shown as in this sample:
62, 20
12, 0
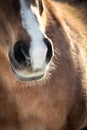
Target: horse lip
25, 78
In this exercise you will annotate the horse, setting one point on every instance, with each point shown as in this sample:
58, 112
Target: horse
43, 67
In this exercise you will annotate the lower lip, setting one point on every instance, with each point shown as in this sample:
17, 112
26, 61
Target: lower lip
27, 79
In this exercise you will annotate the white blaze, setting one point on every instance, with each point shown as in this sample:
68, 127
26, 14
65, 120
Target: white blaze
38, 48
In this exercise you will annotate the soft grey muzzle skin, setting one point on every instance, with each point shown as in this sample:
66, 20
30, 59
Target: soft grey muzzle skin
21, 64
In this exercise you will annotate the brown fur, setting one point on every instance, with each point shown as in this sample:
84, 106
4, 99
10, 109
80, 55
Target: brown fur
60, 103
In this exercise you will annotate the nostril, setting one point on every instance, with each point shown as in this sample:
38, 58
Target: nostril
21, 53
50, 50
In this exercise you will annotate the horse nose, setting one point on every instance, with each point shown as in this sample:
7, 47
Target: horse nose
29, 60
21, 53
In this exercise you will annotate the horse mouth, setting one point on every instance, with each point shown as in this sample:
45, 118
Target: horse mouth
26, 63
26, 77
25, 74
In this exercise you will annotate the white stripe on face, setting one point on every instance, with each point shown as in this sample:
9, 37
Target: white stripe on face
38, 49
